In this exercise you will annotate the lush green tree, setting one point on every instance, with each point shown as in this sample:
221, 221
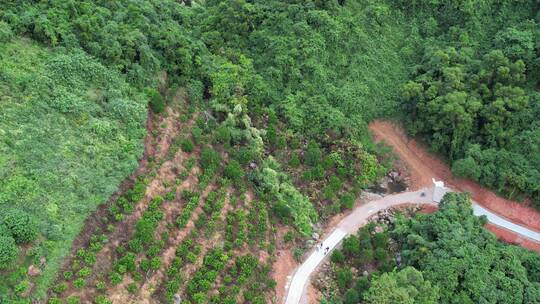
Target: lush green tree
8, 251
455, 252
22, 226
405, 286
234, 171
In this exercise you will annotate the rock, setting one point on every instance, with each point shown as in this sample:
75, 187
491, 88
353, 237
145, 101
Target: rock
315, 236
310, 243
42, 261
365, 273
177, 299
33, 271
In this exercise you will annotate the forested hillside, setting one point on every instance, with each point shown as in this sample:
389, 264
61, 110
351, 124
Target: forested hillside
445, 257
474, 92
256, 115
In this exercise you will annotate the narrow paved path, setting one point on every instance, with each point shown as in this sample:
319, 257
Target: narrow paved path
358, 218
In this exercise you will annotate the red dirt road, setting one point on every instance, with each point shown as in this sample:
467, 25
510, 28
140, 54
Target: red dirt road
422, 166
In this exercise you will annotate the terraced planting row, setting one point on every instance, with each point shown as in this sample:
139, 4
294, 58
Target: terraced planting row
161, 241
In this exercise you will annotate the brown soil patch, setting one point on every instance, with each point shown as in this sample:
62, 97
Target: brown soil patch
123, 229
282, 268
513, 238
423, 166
313, 294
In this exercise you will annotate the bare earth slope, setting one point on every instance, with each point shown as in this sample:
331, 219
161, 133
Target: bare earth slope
422, 166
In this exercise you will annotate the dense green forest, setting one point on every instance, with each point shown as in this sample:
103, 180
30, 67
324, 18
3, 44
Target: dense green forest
446, 257
277, 98
474, 91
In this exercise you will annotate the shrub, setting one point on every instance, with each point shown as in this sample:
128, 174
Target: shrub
313, 154
79, 283
73, 300
23, 228
234, 171
223, 135
346, 201
210, 159
197, 134
344, 278
5, 32
155, 100
115, 278
337, 257
102, 300
68, 275
288, 237
294, 161
187, 145
84, 272
298, 253
351, 297
8, 251
101, 286
132, 288
22, 287
54, 301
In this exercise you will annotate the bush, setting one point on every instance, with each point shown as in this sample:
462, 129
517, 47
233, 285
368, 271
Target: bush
157, 104
23, 228
337, 257
234, 171
68, 275
5, 32
102, 300
344, 278
223, 135
294, 161
132, 288
23, 286
84, 272
187, 145
101, 286
73, 300
79, 283
210, 159
115, 278
346, 201
313, 154
288, 237
8, 251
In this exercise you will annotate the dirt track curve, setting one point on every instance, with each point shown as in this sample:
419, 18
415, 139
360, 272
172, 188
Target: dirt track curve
422, 166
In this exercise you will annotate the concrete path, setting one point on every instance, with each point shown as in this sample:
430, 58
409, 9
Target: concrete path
358, 218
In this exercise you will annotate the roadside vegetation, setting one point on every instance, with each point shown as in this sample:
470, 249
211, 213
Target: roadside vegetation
444, 257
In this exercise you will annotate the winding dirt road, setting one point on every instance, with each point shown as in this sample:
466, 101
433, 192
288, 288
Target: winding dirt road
423, 166
511, 221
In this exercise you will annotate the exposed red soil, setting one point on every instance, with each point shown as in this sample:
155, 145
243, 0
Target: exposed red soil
123, 229
281, 269
422, 166
513, 238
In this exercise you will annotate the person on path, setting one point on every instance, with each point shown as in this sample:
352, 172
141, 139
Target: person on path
326, 250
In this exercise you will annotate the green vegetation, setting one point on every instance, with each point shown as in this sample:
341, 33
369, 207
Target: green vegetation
446, 257
474, 95
271, 100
